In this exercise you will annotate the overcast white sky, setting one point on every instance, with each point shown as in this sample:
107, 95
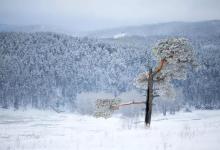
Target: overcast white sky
100, 14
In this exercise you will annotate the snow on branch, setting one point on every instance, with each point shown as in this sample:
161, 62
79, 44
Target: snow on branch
105, 107
175, 57
178, 55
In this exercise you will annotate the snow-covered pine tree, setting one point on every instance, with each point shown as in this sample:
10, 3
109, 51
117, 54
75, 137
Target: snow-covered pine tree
175, 56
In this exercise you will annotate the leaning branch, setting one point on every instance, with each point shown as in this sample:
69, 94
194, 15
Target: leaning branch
160, 67
145, 76
128, 103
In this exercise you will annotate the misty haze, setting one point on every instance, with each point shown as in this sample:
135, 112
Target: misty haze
109, 75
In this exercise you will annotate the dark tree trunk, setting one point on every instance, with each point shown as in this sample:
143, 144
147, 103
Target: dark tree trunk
164, 109
149, 99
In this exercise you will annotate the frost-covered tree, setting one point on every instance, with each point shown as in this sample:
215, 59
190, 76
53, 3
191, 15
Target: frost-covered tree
175, 57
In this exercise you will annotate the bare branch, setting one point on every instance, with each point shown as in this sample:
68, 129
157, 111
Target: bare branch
128, 103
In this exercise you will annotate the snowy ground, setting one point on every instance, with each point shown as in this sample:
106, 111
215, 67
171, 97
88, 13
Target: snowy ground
34, 130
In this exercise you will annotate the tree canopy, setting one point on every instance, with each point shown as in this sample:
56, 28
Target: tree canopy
175, 57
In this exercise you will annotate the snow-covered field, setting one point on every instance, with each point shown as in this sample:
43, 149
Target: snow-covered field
34, 130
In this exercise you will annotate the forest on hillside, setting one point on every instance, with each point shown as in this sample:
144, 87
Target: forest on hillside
43, 69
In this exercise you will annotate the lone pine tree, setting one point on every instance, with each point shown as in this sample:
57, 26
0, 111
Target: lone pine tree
174, 56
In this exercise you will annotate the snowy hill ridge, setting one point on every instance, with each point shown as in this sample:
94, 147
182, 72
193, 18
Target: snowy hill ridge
203, 28
38, 28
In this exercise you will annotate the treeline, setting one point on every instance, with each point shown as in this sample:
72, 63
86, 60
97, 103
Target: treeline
202, 87
44, 70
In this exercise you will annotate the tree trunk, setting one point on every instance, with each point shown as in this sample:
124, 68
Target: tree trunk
164, 109
149, 99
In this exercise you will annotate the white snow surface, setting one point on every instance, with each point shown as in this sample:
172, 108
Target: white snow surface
35, 130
